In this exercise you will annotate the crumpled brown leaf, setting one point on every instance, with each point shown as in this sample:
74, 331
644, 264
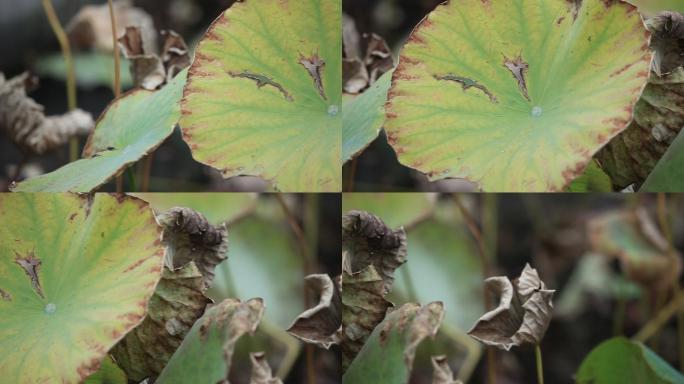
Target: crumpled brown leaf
523, 313
190, 237
91, 27
321, 324
371, 252
365, 58
178, 301
442, 373
152, 66
261, 371
24, 122
658, 115
363, 308
633, 238
366, 240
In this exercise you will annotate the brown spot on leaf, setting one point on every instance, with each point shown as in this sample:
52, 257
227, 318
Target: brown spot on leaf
31, 266
467, 83
560, 20
314, 66
262, 80
518, 68
5, 295
88, 368
575, 6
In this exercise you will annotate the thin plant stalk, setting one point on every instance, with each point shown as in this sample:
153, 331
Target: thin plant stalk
484, 260
306, 252
117, 75
63, 40
147, 169
660, 319
349, 187
540, 368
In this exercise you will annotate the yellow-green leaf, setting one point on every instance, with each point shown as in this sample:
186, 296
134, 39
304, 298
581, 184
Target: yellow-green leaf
76, 274
516, 95
264, 94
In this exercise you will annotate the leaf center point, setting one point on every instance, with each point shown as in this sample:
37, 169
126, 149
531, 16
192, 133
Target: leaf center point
50, 308
536, 111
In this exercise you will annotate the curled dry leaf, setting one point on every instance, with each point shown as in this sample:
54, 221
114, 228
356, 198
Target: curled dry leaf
178, 301
365, 58
206, 354
261, 371
442, 373
394, 342
659, 114
91, 27
633, 238
321, 324
190, 237
24, 122
363, 308
151, 66
523, 313
366, 240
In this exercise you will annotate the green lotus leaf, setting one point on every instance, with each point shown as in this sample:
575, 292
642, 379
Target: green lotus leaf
668, 174
109, 373
396, 209
619, 360
92, 69
206, 354
216, 207
387, 356
516, 95
363, 116
76, 274
264, 94
594, 179
131, 127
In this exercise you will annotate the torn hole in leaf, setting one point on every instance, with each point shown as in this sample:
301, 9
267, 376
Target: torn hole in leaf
261, 371
31, 266
314, 66
261, 81
522, 315
24, 122
190, 237
518, 69
321, 324
467, 83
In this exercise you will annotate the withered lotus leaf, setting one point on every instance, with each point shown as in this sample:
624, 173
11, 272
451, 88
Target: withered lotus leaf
523, 313
321, 324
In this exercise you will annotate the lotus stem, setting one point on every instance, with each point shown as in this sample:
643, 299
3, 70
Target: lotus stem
619, 315
660, 318
117, 75
484, 260
146, 171
70, 72
540, 368
349, 187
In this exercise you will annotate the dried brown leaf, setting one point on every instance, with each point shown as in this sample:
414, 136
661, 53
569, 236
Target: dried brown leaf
91, 27
261, 371
658, 115
321, 324
442, 373
365, 58
314, 65
24, 122
190, 237
178, 302
150, 67
523, 313
667, 41
366, 240
633, 238
363, 308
